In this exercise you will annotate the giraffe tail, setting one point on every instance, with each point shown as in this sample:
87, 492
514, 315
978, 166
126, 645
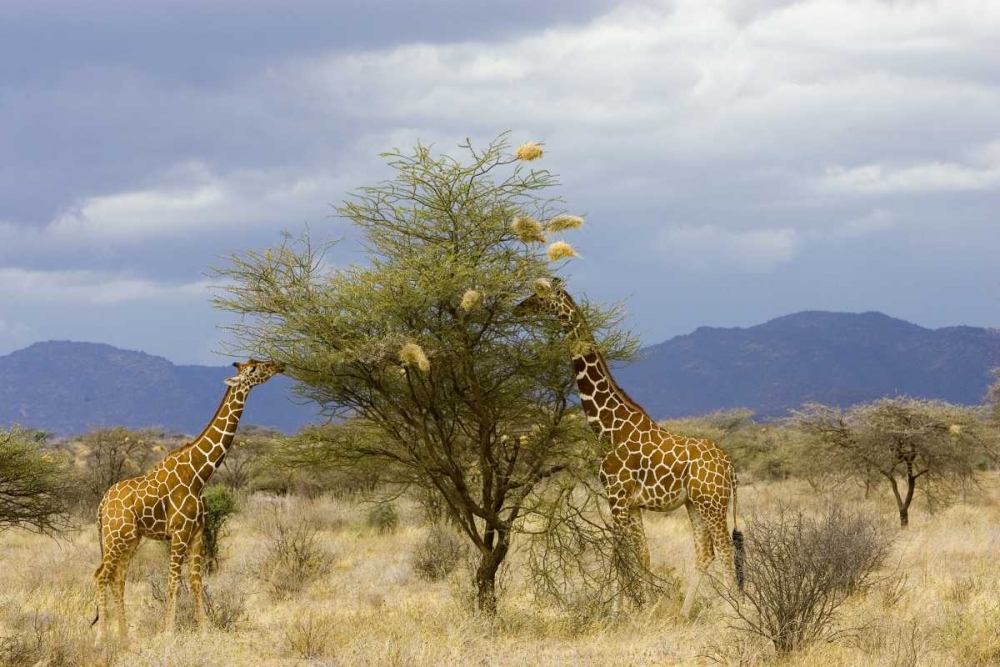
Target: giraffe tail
739, 551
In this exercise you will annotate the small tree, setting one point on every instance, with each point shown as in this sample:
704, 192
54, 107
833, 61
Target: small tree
902, 441
34, 484
421, 345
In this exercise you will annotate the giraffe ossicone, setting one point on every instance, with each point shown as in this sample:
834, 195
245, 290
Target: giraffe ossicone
166, 504
647, 467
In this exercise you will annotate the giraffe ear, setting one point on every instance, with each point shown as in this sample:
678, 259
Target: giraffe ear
232, 382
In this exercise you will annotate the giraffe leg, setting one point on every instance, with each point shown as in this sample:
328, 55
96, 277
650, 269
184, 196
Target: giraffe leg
194, 552
119, 595
638, 533
718, 528
703, 555
101, 578
178, 550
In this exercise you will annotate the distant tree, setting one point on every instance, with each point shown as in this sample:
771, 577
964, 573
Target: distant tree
931, 445
248, 457
34, 483
114, 454
421, 345
993, 395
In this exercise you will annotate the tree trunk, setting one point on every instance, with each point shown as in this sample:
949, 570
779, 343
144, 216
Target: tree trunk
904, 505
486, 575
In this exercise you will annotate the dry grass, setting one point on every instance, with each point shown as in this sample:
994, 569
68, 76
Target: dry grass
369, 608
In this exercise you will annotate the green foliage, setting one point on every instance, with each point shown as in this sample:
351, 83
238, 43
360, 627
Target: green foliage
454, 393
383, 518
310, 463
220, 505
35, 484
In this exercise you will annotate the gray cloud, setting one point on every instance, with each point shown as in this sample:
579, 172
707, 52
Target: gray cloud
736, 160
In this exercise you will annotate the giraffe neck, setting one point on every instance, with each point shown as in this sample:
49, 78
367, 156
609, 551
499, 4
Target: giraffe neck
611, 413
209, 449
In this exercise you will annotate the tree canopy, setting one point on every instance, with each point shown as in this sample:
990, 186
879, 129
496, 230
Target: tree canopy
34, 484
902, 441
420, 345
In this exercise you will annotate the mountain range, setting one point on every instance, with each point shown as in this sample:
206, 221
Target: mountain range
67, 387
812, 356
833, 358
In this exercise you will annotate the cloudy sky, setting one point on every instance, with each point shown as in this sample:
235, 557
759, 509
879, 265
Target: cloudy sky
736, 161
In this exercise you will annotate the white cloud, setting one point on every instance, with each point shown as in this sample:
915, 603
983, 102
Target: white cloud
91, 287
206, 201
687, 80
712, 248
928, 177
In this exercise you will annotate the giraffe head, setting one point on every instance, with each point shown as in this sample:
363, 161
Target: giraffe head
551, 299
253, 373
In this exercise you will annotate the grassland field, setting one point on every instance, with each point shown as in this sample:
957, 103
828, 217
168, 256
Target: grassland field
366, 604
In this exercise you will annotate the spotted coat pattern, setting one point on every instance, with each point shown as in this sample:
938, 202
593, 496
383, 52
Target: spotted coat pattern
166, 504
647, 467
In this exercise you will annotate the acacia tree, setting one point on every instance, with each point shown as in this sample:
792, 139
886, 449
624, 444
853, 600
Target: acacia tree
904, 442
420, 345
34, 484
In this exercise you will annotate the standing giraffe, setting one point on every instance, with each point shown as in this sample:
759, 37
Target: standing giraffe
166, 504
648, 467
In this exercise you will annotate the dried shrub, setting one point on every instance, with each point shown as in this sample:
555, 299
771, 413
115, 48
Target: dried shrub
383, 518
292, 554
309, 635
578, 562
801, 569
226, 608
50, 640
439, 554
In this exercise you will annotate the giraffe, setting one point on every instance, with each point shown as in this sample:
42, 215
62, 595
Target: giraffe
166, 504
647, 467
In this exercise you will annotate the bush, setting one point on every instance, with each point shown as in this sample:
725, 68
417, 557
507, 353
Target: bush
226, 608
34, 485
293, 556
309, 636
439, 554
799, 570
383, 518
220, 504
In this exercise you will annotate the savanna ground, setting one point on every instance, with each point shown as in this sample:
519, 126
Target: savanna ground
357, 597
